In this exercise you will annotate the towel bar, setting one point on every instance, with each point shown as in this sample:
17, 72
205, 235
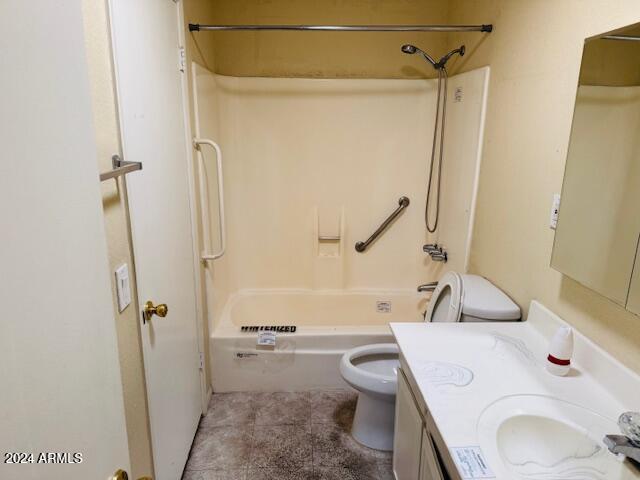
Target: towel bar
120, 167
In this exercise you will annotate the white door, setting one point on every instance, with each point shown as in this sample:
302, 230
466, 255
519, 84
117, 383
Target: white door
146, 39
60, 377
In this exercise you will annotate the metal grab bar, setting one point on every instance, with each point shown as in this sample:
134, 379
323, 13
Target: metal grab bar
120, 167
203, 188
403, 203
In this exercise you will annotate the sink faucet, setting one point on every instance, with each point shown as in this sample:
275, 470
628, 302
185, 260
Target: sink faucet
629, 443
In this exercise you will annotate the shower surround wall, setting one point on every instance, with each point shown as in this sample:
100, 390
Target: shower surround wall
294, 147
330, 157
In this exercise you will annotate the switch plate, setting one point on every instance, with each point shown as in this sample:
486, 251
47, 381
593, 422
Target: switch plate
123, 287
555, 209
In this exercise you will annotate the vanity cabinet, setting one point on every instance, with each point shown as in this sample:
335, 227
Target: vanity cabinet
407, 442
415, 455
429, 464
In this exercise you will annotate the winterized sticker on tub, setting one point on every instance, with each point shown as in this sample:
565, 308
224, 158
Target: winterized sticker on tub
471, 462
269, 328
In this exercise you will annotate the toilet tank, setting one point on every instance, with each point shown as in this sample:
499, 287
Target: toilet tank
482, 301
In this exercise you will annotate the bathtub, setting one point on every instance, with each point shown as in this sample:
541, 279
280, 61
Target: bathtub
326, 324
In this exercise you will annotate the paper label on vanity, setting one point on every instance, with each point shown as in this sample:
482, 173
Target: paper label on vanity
471, 462
267, 339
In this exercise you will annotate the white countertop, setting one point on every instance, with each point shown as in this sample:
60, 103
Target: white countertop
463, 368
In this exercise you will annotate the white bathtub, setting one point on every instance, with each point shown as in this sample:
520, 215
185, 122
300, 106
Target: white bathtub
327, 324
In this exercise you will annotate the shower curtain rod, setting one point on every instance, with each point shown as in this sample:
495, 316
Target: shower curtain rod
629, 38
196, 27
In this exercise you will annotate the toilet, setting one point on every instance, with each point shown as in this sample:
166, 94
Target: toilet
372, 369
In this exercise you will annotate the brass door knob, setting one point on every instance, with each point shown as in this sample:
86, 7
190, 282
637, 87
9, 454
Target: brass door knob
150, 310
120, 475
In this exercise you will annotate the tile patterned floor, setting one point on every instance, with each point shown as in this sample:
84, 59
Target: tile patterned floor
283, 436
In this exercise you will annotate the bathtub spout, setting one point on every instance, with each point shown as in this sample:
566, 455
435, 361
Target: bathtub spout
427, 287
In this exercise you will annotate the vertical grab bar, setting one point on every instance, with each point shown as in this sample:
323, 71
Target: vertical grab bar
222, 224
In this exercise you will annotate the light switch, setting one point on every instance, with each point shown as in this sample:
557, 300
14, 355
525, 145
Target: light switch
123, 287
555, 208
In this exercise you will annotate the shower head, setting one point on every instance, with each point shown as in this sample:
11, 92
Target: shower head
411, 49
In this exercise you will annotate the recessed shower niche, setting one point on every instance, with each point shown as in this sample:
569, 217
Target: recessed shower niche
329, 246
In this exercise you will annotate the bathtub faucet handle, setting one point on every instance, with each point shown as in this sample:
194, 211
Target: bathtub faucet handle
430, 248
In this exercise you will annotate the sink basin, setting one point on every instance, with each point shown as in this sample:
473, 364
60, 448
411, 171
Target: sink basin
541, 437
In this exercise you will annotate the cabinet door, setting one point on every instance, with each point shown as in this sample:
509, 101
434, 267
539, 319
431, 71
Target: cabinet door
429, 465
408, 434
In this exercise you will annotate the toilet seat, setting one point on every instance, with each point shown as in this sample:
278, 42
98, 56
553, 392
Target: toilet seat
450, 285
382, 379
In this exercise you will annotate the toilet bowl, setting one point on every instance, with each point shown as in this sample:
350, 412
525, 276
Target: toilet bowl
371, 369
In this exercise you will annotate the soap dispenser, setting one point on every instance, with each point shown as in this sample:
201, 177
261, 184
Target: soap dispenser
560, 352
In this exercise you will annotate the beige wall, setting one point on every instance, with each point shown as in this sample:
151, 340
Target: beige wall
98, 45
535, 54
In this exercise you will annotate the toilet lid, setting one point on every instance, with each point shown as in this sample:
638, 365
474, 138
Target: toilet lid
445, 304
484, 300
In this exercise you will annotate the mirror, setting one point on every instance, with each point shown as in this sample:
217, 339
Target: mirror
596, 240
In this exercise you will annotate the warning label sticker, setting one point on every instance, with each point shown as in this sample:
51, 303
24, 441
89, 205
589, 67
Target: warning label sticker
267, 339
471, 462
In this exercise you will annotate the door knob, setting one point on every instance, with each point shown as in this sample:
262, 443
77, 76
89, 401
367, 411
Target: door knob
120, 475
150, 310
